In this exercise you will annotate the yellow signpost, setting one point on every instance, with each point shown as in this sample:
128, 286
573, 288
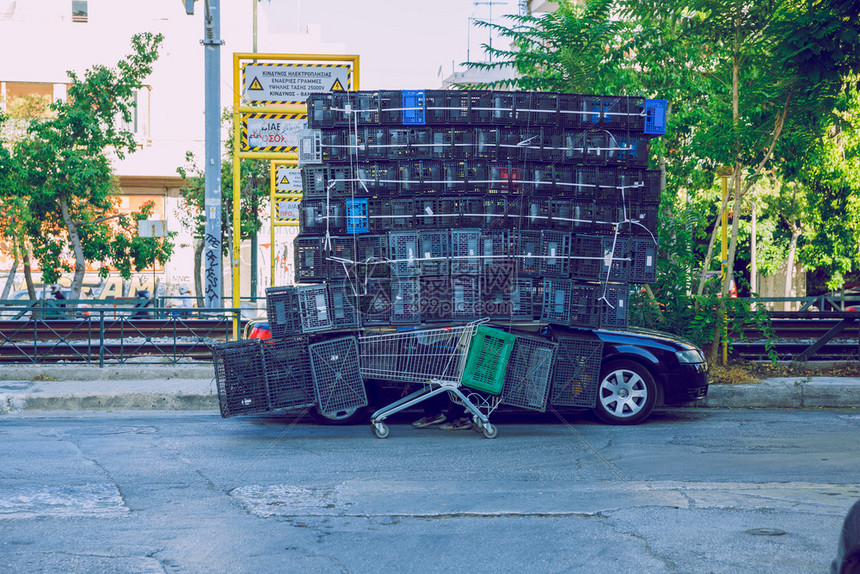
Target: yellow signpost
269, 108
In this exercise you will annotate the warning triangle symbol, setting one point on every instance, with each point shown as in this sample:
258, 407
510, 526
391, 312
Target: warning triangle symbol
337, 86
256, 85
285, 181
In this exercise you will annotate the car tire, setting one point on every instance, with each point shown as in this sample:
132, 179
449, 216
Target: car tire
626, 393
351, 416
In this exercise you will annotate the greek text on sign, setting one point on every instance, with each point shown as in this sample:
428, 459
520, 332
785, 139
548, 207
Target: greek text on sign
287, 210
290, 82
288, 179
271, 132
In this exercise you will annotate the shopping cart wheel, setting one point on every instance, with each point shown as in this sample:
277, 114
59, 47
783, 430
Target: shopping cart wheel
380, 430
490, 431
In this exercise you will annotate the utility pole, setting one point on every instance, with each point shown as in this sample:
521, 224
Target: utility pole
214, 275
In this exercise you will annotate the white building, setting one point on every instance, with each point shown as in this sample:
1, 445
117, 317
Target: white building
41, 39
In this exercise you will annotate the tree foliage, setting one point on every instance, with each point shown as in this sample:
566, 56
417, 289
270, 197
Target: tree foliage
751, 84
63, 172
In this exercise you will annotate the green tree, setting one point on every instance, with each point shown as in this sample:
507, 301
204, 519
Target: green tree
67, 177
743, 79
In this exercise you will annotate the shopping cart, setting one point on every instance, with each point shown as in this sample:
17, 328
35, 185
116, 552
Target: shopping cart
436, 358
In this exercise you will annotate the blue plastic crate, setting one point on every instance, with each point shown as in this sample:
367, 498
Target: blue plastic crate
413, 108
655, 117
357, 220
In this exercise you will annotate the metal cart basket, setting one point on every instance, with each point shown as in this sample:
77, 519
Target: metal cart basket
434, 357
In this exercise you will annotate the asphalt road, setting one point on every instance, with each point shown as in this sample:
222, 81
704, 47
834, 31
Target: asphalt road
689, 491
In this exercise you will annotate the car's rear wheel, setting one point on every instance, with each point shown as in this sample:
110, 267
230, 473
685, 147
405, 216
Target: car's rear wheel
350, 416
626, 394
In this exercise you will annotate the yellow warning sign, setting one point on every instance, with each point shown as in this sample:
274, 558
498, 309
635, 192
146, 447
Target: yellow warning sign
256, 85
337, 86
285, 180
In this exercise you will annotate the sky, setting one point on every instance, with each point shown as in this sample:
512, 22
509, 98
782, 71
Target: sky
405, 44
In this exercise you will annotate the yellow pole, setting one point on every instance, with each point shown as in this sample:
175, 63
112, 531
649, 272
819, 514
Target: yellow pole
273, 176
237, 218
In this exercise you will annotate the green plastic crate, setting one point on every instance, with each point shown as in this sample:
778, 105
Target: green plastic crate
487, 360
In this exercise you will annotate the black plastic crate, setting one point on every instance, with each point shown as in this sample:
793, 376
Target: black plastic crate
496, 287
391, 107
435, 298
575, 144
635, 150
282, 311
615, 264
319, 216
404, 252
337, 381
337, 146
339, 253
434, 252
447, 106
315, 180
466, 251
405, 301
579, 111
586, 257
615, 112
463, 142
584, 305
526, 298
397, 146
495, 212
642, 219
465, 298
371, 256
557, 295
477, 177
609, 218
289, 379
471, 210
560, 215
541, 178
401, 214
436, 212
420, 177
314, 308
583, 214
487, 140
529, 373
636, 114
497, 251
365, 107
535, 212
556, 252
454, 176
240, 376
344, 304
493, 108
377, 178
527, 249
374, 301
643, 267
613, 309
320, 113
576, 372
309, 261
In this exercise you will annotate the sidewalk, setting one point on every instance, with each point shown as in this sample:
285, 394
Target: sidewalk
37, 388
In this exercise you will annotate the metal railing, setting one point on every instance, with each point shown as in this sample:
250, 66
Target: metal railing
111, 332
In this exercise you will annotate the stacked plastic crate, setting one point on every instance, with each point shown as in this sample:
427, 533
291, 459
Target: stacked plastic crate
448, 206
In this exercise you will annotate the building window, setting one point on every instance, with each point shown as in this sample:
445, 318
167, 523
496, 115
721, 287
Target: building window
79, 11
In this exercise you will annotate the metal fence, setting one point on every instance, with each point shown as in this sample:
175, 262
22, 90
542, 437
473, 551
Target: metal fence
110, 333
